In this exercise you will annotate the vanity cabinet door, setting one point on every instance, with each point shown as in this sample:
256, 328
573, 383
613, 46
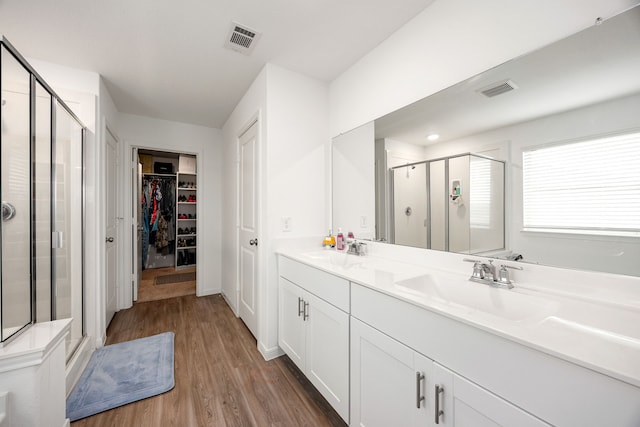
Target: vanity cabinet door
315, 335
291, 327
390, 383
327, 352
465, 404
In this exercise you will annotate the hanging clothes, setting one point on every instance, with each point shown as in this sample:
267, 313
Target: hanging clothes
158, 215
161, 235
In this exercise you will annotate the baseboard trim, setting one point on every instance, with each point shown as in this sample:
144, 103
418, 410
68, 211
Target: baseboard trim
78, 362
228, 301
270, 353
207, 292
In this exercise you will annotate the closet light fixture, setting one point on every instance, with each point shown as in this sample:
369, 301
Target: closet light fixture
433, 137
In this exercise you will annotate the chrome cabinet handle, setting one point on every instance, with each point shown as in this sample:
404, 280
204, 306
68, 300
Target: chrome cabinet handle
305, 313
419, 396
439, 412
300, 310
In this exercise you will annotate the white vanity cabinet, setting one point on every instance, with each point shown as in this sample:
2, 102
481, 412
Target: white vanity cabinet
313, 328
391, 384
489, 380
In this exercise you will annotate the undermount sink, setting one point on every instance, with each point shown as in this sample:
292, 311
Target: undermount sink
475, 297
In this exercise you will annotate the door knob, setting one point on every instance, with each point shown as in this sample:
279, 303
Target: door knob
253, 242
109, 239
8, 211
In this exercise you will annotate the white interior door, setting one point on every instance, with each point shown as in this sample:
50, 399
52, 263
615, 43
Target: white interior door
248, 235
111, 251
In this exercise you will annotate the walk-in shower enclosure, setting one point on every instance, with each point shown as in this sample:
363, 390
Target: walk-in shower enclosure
42, 203
454, 204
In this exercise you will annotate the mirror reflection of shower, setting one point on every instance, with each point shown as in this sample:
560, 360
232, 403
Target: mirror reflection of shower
454, 204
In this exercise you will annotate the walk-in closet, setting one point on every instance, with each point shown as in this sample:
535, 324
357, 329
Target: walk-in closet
167, 224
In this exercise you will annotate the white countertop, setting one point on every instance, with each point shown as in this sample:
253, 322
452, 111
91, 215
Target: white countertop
604, 337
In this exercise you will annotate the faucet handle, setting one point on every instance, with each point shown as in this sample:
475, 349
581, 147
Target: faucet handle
478, 270
503, 275
510, 266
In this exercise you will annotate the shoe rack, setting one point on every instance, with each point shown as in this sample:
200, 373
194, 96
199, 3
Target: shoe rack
186, 225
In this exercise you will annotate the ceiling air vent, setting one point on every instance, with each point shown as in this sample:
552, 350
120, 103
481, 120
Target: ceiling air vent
241, 39
499, 88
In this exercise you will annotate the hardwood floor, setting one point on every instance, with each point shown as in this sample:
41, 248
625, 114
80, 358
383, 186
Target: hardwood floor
220, 377
149, 291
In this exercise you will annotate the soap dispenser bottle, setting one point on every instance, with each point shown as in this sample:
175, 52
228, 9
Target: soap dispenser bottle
340, 240
329, 241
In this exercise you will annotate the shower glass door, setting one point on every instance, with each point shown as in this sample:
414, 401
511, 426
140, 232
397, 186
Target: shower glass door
16, 304
42, 190
410, 205
67, 224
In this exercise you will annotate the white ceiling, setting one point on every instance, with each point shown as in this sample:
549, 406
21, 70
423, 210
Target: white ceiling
166, 59
595, 65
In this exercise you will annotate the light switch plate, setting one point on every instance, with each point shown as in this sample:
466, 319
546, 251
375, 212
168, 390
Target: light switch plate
363, 222
286, 223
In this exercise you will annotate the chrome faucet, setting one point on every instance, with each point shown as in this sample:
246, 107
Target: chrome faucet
486, 273
357, 248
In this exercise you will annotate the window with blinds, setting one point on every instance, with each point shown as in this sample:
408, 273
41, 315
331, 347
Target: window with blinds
480, 192
588, 187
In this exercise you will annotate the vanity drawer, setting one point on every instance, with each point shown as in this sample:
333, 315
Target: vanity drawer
333, 289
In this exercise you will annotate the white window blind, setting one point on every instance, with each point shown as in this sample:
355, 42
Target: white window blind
480, 192
590, 187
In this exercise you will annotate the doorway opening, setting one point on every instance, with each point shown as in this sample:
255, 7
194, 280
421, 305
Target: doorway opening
166, 198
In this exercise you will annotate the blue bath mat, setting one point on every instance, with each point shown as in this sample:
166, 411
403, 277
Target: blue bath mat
122, 373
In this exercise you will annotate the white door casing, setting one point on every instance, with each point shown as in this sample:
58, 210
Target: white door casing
136, 223
248, 229
111, 232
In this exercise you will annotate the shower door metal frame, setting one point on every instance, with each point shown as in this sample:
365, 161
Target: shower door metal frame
56, 100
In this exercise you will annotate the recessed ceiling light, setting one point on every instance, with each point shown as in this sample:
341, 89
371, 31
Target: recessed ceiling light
433, 137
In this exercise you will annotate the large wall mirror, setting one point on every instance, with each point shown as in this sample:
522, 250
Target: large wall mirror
550, 146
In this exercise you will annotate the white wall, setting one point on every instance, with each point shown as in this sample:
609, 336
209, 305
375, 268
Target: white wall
206, 144
296, 178
294, 141
450, 41
617, 255
400, 153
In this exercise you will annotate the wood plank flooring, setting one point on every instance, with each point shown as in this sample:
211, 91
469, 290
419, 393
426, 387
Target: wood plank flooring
149, 291
220, 377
